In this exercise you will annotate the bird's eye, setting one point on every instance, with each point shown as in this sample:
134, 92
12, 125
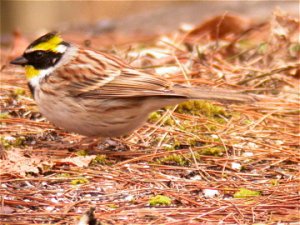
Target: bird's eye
39, 54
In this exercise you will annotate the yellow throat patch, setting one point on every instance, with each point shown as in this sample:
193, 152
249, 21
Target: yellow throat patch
50, 45
31, 72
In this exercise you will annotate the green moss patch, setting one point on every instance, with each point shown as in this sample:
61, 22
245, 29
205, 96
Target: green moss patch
160, 200
173, 159
215, 151
246, 193
200, 107
100, 160
79, 181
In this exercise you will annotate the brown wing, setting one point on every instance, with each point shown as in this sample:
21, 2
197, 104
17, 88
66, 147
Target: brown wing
130, 83
106, 76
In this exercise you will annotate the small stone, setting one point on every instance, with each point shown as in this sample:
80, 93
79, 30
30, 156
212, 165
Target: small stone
49, 208
197, 177
54, 200
129, 198
236, 166
247, 154
9, 138
214, 136
252, 145
210, 193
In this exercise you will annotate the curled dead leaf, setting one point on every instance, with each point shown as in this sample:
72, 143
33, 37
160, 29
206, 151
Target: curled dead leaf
219, 27
17, 163
80, 161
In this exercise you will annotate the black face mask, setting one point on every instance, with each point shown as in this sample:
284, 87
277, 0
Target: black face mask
42, 59
38, 59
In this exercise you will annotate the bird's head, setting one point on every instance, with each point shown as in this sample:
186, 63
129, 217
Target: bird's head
41, 56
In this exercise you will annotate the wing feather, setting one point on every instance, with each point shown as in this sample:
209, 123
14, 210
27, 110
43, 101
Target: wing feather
130, 83
112, 78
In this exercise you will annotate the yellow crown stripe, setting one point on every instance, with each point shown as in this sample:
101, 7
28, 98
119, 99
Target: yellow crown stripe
51, 44
31, 72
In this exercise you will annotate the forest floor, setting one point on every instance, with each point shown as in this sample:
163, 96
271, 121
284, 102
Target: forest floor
198, 162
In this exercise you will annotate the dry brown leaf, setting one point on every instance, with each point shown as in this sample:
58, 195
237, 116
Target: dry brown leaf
284, 26
219, 27
6, 210
80, 161
17, 163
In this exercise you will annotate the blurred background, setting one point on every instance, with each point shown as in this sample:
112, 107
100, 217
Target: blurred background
145, 16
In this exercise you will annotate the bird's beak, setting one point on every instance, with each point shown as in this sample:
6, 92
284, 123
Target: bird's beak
19, 61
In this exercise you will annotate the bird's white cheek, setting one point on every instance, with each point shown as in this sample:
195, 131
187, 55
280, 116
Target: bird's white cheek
35, 81
61, 48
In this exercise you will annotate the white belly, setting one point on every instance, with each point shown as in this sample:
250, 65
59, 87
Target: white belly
74, 117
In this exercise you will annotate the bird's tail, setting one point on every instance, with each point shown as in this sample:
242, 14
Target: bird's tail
210, 93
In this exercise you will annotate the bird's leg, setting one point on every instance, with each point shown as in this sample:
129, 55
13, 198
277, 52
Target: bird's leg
85, 143
99, 146
114, 144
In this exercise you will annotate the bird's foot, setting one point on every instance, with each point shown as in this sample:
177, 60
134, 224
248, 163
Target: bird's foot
98, 146
113, 144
